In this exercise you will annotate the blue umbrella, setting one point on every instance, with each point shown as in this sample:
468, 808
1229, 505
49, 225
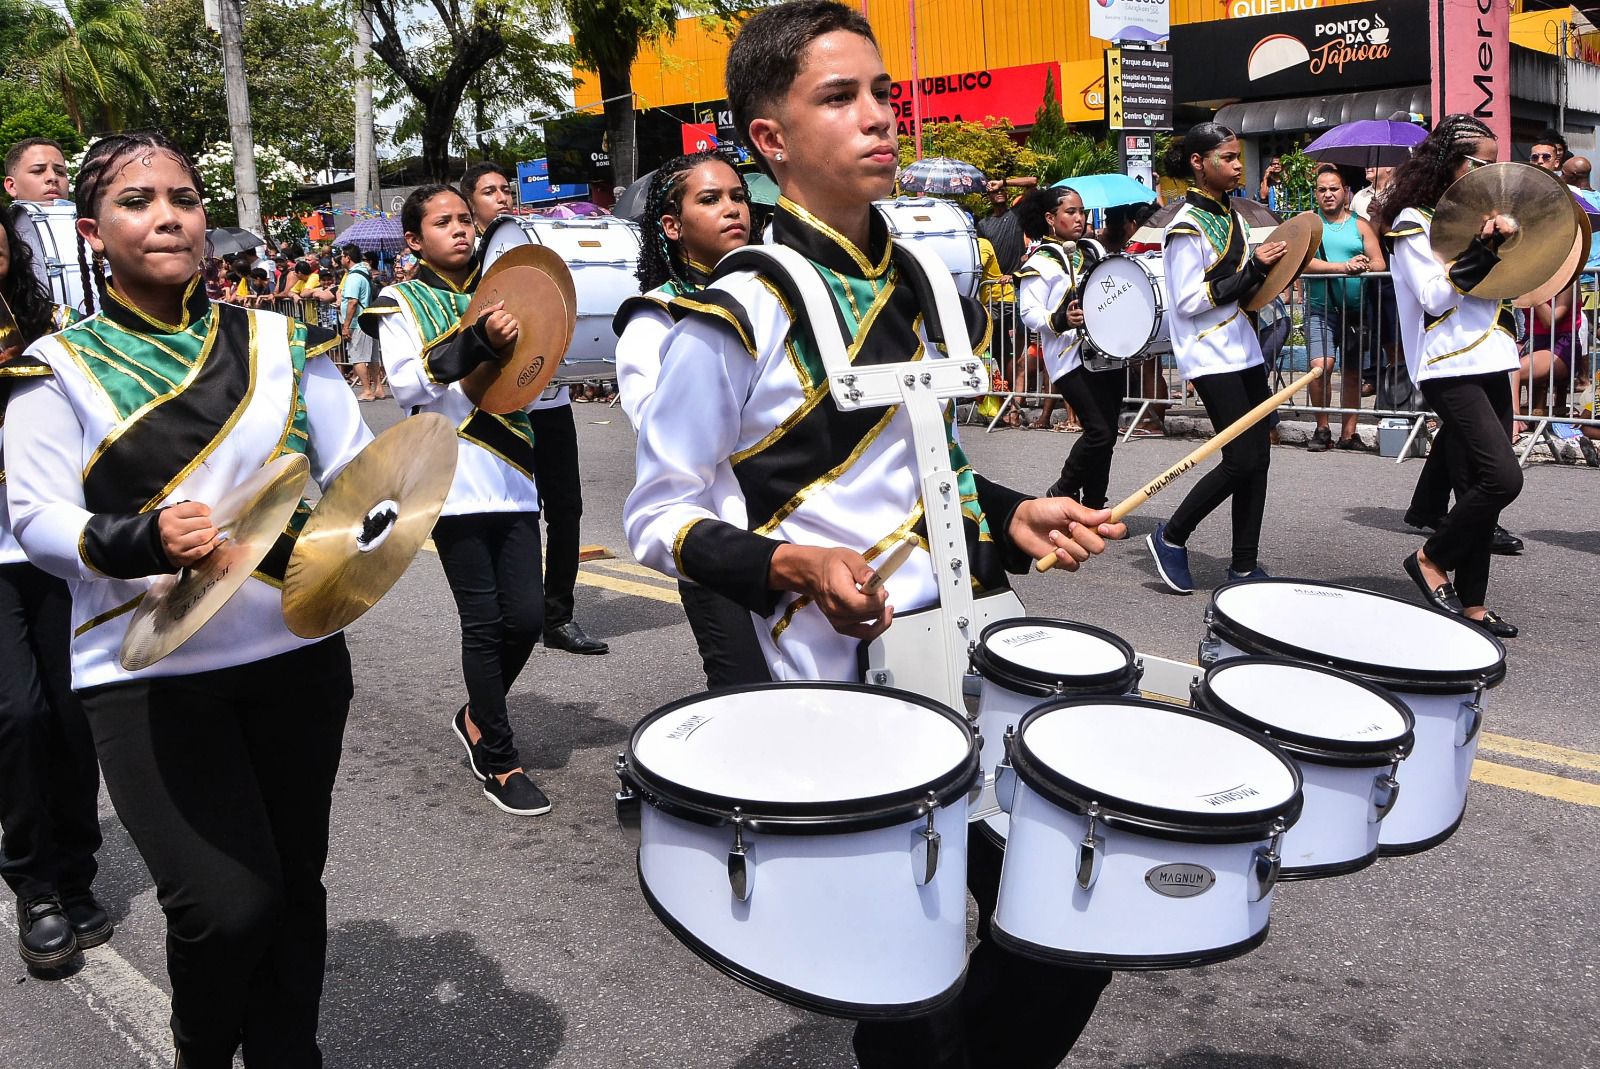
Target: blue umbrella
381, 234
941, 175
1367, 143
1109, 190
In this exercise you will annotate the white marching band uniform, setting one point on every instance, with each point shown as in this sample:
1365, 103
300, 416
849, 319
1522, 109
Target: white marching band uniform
1210, 333
1045, 282
1448, 332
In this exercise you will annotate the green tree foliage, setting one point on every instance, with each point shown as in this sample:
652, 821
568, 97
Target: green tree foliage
1061, 151
96, 58
1299, 179
27, 112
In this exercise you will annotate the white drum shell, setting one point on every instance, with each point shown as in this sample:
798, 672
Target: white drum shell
838, 918
1338, 827
51, 231
1120, 921
944, 229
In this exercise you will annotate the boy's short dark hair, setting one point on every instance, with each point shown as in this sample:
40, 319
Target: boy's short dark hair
352, 251
14, 153
373, 259
765, 58
469, 180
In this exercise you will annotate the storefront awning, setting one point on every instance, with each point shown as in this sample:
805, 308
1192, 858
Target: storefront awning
1321, 113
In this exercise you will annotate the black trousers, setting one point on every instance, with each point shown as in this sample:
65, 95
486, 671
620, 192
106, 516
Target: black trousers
1096, 396
491, 560
49, 780
1475, 424
726, 636
1013, 1011
555, 461
224, 780
1242, 475
1430, 499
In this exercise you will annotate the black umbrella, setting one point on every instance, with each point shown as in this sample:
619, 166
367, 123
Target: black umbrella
232, 240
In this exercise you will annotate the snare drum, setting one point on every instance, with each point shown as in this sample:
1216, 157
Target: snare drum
1439, 665
1124, 312
944, 229
1348, 737
809, 839
51, 231
1143, 835
1025, 662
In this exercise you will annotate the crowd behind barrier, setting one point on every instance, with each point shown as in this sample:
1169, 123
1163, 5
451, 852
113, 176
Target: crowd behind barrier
1356, 343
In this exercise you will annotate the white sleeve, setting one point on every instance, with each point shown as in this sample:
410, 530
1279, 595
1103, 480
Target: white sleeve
1429, 279
1184, 259
639, 359
693, 427
337, 430
1033, 296
44, 478
400, 347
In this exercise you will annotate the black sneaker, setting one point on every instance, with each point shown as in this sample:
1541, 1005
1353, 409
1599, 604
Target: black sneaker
458, 724
518, 795
1321, 439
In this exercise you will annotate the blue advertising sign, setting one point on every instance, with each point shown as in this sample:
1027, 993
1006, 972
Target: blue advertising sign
533, 185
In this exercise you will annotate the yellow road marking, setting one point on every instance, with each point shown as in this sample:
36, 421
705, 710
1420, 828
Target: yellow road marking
628, 586
1540, 751
1542, 783
631, 568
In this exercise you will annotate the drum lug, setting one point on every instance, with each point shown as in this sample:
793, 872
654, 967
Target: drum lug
739, 860
627, 800
1091, 851
971, 692
1005, 777
976, 790
1138, 674
1266, 863
1468, 720
1210, 647
925, 848
1385, 792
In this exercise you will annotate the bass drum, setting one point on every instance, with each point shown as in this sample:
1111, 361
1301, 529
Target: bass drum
945, 229
51, 231
603, 256
1124, 312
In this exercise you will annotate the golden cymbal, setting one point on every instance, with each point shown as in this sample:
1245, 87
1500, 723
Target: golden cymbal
1302, 233
1570, 268
1534, 199
369, 524
537, 289
250, 518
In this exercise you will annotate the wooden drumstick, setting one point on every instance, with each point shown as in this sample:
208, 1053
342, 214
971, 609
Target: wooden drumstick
1217, 441
891, 563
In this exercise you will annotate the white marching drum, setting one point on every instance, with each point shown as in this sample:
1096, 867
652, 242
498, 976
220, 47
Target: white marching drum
1124, 312
809, 839
1439, 665
51, 231
1143, 835
1348, 737
603, 254
943, 228
1024, 663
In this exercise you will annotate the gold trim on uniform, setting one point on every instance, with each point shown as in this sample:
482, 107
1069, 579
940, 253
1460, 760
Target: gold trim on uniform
165, 328
871, 554
1427, 326
107, 616
677, 544
324, 347
227, 428
1432, 360
461, 432
869, 270
831, 475
83, 551
1212, 330
721, 313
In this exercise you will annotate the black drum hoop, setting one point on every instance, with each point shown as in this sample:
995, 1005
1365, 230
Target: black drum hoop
1039, 683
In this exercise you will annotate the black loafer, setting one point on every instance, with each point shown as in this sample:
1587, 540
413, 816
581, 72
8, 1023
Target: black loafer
1422, 523
570, 637
1497, 625
1442, 597
91, 924
1505, 543
44, 935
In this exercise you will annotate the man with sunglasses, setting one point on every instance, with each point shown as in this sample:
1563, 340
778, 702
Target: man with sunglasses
1548, 153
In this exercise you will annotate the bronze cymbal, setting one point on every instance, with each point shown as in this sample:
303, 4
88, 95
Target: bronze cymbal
1534, 199
1302, 233
250, 517
1570, 268
369, 524
545, 259
546, 317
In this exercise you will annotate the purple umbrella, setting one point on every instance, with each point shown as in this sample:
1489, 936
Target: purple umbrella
1367, 143
584, 207
380, 234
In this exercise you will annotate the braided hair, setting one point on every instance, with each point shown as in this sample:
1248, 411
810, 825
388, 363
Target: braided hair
1039, 203
1422, 180
27, 297
662, 259
101, 163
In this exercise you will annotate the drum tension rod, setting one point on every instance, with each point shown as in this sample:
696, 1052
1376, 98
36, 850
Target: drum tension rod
738, 864
925, 847
1268, 860
1089, 851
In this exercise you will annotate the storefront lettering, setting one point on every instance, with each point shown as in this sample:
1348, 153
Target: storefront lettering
1243, 9
1336, 54
944, 83
1484, 79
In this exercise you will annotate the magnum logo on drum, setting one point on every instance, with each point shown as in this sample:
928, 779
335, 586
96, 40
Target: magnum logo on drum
1180, 880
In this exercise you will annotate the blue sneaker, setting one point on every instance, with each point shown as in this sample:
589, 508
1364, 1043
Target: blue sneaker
1172, 562
1257, 572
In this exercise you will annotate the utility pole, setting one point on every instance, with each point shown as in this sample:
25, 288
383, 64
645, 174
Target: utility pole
246, 193
366, 188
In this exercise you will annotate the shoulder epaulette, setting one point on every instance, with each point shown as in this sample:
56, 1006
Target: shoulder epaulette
1183, 226
320, 340
633, 306
716, 306
1405, 230
372, 315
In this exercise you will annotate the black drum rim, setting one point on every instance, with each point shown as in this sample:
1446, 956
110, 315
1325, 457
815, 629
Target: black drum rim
1039, 683
1414, 680
1343, 753
834, 817
1155, 821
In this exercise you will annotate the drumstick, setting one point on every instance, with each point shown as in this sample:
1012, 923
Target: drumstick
891, 563
1220, 439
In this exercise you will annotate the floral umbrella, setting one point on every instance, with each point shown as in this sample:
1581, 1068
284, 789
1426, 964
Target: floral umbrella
941, 175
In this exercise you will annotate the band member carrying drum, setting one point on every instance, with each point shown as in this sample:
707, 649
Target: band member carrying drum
220, 758
1209, 272
1050, 284
743, 403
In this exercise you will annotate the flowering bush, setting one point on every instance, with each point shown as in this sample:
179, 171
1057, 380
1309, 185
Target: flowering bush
277, 177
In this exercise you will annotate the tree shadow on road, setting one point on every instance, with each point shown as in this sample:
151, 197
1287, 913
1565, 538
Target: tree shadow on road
1579, 541
813, 1043
122, 875
1212, 1058
419, 1002
548, 732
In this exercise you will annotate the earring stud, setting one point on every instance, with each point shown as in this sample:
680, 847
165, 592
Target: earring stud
778, 157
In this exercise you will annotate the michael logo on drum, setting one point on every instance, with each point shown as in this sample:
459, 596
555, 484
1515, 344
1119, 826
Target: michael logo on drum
1111, 290
1232, 794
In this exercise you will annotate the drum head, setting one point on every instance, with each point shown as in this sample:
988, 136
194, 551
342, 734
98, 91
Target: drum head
1306, 707
500, 237
1157, 763
1121, 306
1371, 635
1038, 656
803, 750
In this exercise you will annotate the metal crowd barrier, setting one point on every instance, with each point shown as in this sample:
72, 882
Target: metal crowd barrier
1359, 346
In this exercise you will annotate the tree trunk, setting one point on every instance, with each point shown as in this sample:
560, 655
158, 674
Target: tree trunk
246, 193
366, 188
437, 123
619, 122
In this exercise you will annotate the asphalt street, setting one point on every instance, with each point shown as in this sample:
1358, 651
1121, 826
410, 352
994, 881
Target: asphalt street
461, 936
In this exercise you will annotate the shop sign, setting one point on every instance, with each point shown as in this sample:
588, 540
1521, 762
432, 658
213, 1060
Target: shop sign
1472, 61
578, 149
1305, 53
1138, 89
1012, 93
534, 186
1129, 20
1244, 9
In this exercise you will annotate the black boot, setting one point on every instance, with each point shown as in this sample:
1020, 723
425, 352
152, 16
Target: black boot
91, 925
44, 935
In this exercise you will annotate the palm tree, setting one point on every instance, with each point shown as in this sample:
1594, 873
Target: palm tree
96, 54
